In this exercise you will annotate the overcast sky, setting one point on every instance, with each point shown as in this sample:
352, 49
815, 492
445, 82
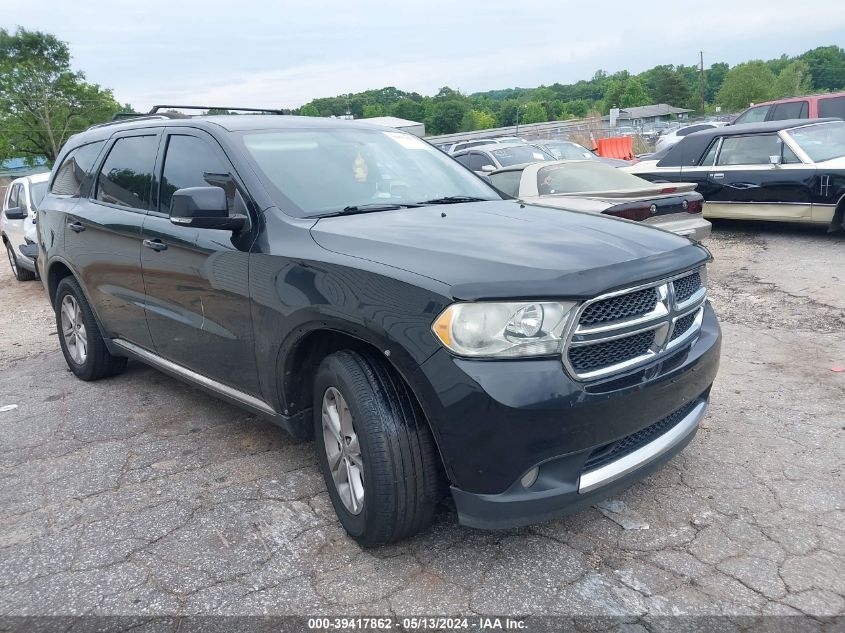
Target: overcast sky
280, 54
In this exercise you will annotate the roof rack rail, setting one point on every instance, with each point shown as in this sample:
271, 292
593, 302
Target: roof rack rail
155, 109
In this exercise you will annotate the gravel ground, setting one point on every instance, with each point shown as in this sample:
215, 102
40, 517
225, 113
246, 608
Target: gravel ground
140, 495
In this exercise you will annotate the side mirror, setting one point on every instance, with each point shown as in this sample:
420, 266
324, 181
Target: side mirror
774, 160
15, 213
204, 208
488, 168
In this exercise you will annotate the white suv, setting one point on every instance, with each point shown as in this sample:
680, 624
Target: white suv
17, 223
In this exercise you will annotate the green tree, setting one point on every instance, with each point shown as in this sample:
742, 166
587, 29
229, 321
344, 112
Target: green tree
827, 67
409, 109
533, 112
447, 116
713, 78
745, 84
793, 80
373, 109
43, 101
309, 109
625, 91
670, 87
477, 120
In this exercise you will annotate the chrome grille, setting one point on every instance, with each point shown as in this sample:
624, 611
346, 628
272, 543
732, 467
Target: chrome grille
620, 307
685, 287
682, 325
623, 330
590, 357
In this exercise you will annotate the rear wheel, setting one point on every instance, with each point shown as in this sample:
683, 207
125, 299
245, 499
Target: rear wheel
82, 343
21, 274
375, 449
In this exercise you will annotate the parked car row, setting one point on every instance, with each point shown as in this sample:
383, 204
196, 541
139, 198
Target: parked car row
355, 285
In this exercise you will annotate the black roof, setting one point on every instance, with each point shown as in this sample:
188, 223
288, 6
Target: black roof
689, 150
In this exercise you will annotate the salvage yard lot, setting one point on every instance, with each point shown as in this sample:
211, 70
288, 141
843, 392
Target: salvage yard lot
140, 495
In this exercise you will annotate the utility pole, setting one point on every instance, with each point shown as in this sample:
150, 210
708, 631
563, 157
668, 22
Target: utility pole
703, 82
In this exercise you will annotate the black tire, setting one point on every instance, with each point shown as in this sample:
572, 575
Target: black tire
98, 363
401, 468
21, 274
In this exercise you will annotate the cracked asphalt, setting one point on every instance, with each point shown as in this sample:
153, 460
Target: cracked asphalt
140, 495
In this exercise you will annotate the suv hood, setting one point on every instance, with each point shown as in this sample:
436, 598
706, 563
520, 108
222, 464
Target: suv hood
501, 249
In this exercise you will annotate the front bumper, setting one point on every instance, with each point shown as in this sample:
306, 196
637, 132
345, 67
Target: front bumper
494, 421
559, 490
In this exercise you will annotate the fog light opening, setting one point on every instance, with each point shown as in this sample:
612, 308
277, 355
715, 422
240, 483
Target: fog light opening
530, 477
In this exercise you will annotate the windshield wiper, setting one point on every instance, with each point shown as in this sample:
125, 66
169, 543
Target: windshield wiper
371, 208
454, 200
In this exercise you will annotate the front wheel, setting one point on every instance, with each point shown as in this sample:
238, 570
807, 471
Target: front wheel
375, 449
21, 274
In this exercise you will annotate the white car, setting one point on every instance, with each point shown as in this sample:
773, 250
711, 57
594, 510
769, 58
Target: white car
17, 223
674, 137
462, 145
590, 186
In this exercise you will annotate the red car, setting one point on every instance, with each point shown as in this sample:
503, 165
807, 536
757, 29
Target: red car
809, 107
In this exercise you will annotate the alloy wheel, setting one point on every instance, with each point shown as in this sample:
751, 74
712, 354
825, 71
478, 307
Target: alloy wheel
343, 450
73, 330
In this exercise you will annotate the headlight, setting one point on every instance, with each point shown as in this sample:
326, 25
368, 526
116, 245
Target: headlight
505, 330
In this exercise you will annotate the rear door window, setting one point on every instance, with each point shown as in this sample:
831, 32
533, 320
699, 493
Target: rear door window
126, 177
75, 167
754, 150
193, 162
832, 107
791, 110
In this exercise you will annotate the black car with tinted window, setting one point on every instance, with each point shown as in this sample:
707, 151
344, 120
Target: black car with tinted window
786, 171
353, 284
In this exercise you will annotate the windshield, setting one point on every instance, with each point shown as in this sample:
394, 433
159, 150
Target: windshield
38, 190
569, 151
327, 170
821, 142
519, 154
585, 176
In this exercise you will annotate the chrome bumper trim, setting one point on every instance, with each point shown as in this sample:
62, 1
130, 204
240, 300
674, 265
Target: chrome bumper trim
643, 455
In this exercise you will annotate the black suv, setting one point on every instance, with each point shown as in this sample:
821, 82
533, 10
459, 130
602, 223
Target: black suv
356, 285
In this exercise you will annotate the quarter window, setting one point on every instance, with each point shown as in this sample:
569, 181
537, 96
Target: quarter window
13, 196
463, 159
126, 177
477, 161
74, 169
507, 182
193, 162
832, 107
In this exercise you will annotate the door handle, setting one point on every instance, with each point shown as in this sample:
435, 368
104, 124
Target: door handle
156, 244
717, 176
76, 227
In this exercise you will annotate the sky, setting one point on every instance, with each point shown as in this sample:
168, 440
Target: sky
250, 53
